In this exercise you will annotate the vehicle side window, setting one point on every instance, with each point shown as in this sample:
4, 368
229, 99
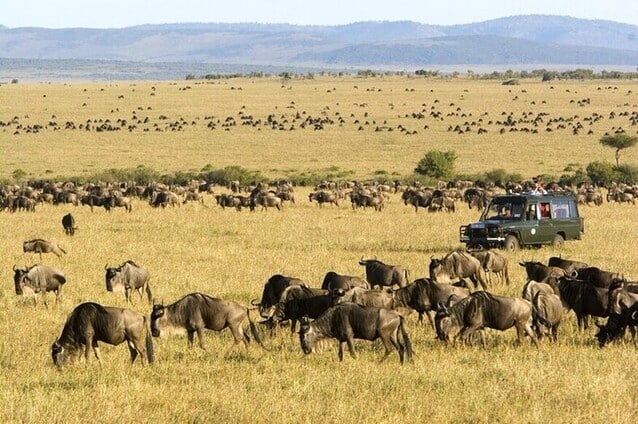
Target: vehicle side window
531, 213
545, 210
561, 210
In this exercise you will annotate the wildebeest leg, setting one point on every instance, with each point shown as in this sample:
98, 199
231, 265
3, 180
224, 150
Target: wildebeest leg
467, 331
190, 335
200, 337
134, 349
431, 319
350, 342
96, 351
525, 328
341, 350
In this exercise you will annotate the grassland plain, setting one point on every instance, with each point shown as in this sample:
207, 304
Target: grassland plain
230, 255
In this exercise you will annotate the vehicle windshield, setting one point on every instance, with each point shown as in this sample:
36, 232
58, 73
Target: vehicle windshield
504, 209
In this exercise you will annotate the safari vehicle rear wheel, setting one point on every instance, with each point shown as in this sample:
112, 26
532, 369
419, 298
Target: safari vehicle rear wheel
511, 243
558, 242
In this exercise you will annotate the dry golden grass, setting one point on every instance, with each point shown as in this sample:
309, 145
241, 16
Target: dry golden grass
230, 255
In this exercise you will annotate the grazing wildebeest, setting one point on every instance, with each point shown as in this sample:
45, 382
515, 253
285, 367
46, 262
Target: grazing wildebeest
456, 265
584, 299
332, 280
484, 310
568, 265
40, 246
423, 295
94, 200
348, 321
131, 276
90, 323
547, 312
493, 262
68, 223
272, 292
39, 279
195, 312
383, 275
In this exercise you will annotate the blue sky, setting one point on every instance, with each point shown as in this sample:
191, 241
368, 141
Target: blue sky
123, 13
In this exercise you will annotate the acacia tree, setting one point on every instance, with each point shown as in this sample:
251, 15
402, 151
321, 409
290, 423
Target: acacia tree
618, 142
437, 164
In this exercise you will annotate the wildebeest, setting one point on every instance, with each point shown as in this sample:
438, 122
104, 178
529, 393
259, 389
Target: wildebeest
423, 295
538, 271
272, 292
493, 262
584, 299
195, 312
332, 280
131, 276
266, 200
365, 297
595, 276
68, 223
164, 198
547, 312
90, 323
299, 301
120, 202
623, 311
454, 265
39, 279
384, 275
484, 310
568, 265
41, 246
322, 197
348, 321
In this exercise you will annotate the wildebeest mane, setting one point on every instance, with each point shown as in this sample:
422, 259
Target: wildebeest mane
89, 313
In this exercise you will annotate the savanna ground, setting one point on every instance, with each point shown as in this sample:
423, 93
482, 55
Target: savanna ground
230, 255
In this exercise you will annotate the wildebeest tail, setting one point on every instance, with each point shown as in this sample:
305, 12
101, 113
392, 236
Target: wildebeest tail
150, 353
149, 293
254, 331
407, 343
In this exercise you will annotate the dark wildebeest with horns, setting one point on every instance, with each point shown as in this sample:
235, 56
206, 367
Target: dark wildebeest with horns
423, 295
383, 275
195, 312
623, 312
68, 223
584, 299
131, 276
596, 276
90, 323
299, 301
456, 265
332, 280
38, 279
484, 310
568, 265
348, 321
537, 271
41, 246
272, 292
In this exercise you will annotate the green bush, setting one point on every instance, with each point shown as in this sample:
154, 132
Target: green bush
437, 164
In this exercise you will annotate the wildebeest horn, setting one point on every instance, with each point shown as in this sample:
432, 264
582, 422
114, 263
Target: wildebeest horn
574, 274
14, 267
106, 267
252, 302
634, 315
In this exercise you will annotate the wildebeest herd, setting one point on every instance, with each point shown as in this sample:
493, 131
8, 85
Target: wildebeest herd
350, 307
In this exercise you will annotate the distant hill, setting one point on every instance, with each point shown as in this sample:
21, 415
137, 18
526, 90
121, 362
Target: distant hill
517, 40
